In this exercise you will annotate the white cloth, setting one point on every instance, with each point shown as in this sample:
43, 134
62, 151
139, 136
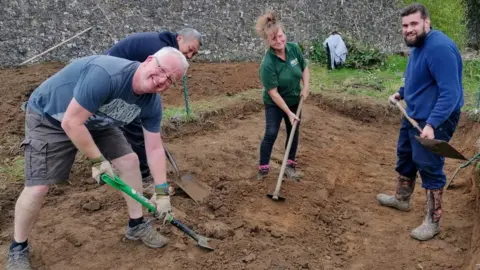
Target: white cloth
338, 49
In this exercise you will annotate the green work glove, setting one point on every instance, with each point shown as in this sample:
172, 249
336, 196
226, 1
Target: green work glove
99, 166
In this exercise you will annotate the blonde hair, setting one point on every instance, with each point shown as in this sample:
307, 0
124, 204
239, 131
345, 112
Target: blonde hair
267, 24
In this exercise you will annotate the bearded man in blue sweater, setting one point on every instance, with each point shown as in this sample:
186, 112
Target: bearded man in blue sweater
433, 93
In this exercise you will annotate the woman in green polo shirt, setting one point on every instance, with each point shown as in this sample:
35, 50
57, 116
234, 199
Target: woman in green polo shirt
283, 67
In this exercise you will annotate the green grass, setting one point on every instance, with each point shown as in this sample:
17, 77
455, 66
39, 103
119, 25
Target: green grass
12, 171
447, 16
382, 82
179, 114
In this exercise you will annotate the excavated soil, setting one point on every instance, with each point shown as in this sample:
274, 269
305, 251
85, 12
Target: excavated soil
330, 220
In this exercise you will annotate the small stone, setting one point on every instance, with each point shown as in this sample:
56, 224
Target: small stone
276, 234
419, 267
91, 206
328, 257
268, 223
345, 199
180, 246
305, 265
90, 181
238, 235
215, 204
249, 258
360, 222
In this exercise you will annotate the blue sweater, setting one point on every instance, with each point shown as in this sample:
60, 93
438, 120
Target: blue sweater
433, 80
138, 46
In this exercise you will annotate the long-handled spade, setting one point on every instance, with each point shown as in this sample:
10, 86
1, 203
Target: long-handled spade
438, 147
275, 195
118, 183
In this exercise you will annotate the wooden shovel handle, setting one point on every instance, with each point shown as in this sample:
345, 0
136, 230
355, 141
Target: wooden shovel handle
412, 121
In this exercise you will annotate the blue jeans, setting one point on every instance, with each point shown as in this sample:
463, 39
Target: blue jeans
412, 157
273, 119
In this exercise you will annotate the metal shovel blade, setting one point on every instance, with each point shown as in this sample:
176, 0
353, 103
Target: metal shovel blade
277, 197
195, 189
441, 148
207, 243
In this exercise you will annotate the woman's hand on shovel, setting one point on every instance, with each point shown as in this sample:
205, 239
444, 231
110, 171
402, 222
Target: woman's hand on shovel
292, 117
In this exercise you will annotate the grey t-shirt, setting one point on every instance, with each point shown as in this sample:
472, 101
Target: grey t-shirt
103, 86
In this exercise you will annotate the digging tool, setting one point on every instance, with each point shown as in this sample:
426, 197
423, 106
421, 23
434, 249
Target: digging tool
450, 183
118, 183
438, 147
195, 189
275, 195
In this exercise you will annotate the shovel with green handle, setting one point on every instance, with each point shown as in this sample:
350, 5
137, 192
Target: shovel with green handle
118, 183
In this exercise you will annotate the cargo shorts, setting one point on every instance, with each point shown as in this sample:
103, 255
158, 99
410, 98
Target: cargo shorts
50, 154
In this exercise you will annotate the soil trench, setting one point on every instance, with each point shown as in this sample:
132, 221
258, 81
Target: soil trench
330, 220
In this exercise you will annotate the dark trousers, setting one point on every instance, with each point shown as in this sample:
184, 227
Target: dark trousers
273, 119
134, 134
412, 157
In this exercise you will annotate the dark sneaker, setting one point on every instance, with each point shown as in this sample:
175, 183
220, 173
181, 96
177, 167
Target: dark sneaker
18, 259
262, 171
290, 171
147, 234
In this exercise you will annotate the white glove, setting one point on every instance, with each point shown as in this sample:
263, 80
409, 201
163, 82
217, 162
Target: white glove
163, 205
99, 167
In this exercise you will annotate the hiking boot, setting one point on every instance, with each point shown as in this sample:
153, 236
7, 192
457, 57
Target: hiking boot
18, 259
402, 200
147, 234
290, 171
431, 224
262, 171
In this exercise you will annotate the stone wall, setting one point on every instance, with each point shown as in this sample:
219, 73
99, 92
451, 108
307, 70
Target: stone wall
30, 27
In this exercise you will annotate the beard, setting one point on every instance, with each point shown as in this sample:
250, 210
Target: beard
418, 41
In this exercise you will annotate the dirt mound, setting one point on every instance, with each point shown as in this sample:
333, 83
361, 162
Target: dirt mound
214, 79
330, 219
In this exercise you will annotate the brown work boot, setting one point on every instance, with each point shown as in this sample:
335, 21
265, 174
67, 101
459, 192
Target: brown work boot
431, 224
147, 234
18, 259
290, 171
402, 200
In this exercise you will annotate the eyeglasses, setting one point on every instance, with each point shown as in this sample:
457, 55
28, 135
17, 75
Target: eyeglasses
162, 70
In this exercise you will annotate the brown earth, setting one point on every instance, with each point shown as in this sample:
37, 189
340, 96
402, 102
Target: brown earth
330, 219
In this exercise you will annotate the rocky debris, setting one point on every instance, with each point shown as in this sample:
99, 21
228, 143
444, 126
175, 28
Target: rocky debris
92, 206
249, 258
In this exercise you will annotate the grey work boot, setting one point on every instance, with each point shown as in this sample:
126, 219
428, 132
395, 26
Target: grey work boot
147, 234
262, 171
290, 171
402, 200
431, 224
18, 259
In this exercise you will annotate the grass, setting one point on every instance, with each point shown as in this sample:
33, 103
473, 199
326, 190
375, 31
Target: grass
12, 171
382, 82
179, 114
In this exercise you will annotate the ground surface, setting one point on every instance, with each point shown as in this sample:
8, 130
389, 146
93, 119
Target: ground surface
330, 219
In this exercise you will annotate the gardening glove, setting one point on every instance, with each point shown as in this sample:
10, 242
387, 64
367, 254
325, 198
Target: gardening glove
99, 166
161, 199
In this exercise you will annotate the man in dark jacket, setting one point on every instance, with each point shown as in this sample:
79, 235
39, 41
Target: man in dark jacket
137, 47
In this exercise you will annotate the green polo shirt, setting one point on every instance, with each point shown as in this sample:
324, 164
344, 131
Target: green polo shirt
283, 75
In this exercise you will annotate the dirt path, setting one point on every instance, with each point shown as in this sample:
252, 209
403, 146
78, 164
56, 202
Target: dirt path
330, 220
